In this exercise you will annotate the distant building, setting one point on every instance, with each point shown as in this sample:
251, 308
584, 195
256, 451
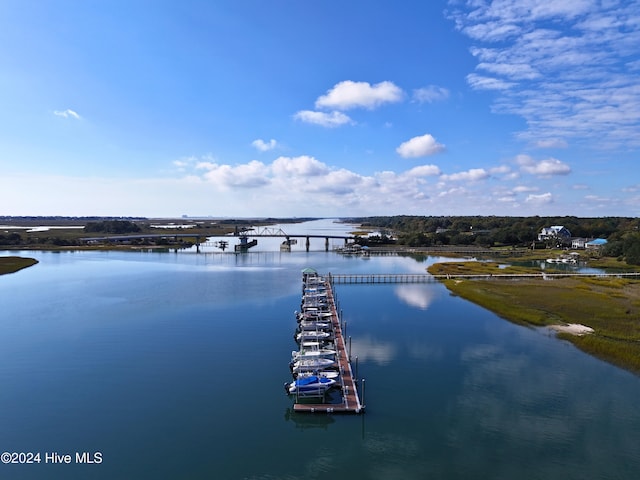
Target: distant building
557, 233
595, 244
579, 242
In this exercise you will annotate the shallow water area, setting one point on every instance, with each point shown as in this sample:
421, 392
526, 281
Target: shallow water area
172, 365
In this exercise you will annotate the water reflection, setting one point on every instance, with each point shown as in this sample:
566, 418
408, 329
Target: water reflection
419, 296
169, 345
425, 351
367, 348
306, 421
537, 405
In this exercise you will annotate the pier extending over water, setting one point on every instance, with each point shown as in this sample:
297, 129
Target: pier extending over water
351, 402
368, 278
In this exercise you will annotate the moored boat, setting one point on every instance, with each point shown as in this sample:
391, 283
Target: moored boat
310, 325
313, 315
312, 364
312, 385
313, 335
305, 353
320, 373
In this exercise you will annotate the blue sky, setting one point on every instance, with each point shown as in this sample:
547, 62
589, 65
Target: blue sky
332, 108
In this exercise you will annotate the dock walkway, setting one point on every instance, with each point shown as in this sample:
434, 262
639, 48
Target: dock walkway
342, 278
350, 399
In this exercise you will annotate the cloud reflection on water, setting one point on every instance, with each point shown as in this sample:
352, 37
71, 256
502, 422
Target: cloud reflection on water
534, 409
366, 348
416, 295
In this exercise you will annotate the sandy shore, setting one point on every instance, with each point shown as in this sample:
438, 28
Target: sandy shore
572, 328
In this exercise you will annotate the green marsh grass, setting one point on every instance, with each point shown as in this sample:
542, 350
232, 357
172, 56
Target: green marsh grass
13, 264
609, 305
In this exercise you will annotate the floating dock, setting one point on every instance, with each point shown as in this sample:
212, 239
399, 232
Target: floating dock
348, 383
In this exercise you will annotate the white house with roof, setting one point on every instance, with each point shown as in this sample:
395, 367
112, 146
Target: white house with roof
555, 232
579, 242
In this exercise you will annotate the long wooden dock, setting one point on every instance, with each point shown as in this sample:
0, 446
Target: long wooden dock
350, 399
342, 278
383, 278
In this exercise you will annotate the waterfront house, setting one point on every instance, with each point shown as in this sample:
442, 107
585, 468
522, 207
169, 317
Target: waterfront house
557, 233
578, 243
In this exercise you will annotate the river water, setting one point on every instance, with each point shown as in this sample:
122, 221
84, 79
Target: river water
172, 365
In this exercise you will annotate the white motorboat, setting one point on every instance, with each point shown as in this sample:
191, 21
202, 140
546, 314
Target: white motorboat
321, 373
313, 316
310, 325
310, 386
312, 365
309, 310
313, 335
315, 352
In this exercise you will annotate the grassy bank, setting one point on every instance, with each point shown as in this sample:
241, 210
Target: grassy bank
13, 264
611, 306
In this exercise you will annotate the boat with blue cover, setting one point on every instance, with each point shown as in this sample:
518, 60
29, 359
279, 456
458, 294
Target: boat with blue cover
310, 386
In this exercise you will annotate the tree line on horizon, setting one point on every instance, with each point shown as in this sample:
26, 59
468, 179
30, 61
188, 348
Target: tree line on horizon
621, 233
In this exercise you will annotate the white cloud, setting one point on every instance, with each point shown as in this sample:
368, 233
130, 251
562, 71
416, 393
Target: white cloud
348, 94
596, 198
547, 167
263, 146
303, 166
430, 94
338, 182
500, 170
424, 171
524, 189
252, 174
472, 175
333, 119
568, 68
455, 192
181, 165
541, 199
419, 147
514, 71
551, 143
480, 82
491, 31
68, 113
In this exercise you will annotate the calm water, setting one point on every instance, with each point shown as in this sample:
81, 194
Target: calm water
172, 366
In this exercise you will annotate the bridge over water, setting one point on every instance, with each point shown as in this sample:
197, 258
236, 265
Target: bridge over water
243, 234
